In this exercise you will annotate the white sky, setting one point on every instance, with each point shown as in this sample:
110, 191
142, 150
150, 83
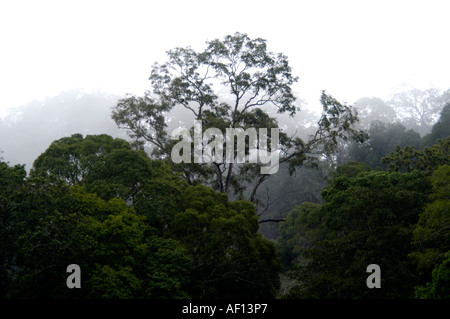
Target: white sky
350, 49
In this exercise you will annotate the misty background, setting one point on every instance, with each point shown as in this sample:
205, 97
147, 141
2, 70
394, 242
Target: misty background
65, 64
406, 119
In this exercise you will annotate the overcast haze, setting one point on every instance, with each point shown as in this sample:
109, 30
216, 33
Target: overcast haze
349, 48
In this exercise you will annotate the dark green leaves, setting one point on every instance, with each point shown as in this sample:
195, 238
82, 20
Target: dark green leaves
365, 219
427, 160
226, 249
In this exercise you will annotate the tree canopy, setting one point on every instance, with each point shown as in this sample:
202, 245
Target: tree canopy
365, 220
348, 196
135, 229
234, 83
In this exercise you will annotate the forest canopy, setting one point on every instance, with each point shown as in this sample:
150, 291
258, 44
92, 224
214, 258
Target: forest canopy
357, 185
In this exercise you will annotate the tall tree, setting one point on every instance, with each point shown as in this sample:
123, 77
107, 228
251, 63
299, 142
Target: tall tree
227, 86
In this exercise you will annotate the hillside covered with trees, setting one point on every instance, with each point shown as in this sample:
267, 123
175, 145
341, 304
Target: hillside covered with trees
355, 185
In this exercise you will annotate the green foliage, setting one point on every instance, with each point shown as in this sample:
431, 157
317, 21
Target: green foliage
299, 232
431, 234
439, 288
166, 269
142, 227
427, 160
92, 159
352, 169
56, 225
365, 219
114, 283
226, 249
11, 179
168, 241
111, 168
